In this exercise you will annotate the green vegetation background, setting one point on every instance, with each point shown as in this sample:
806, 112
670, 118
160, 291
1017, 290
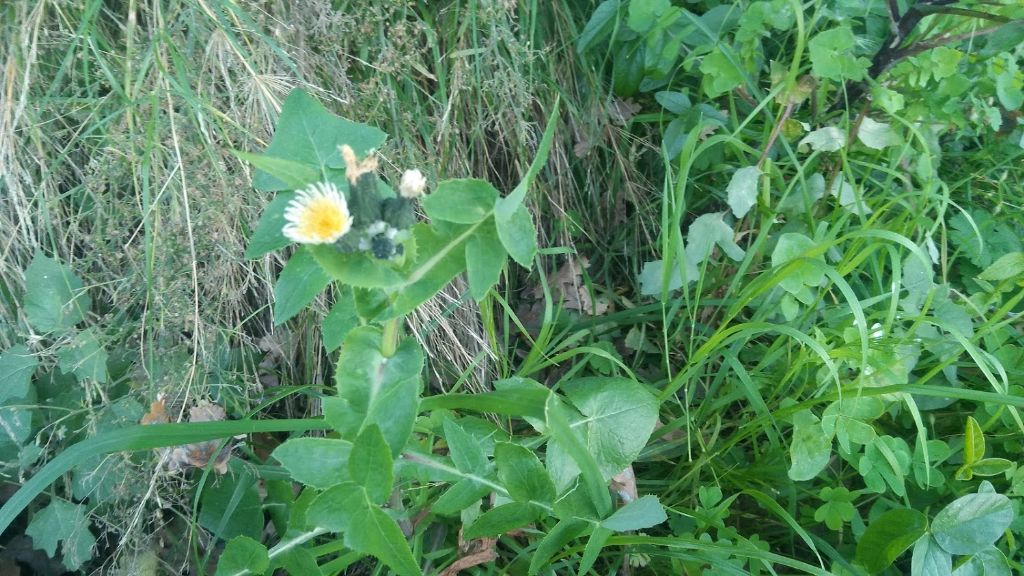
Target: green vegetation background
890, 240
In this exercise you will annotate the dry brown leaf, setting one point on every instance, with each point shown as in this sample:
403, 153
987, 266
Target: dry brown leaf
157, 412
197, 454
472, 553
569, 287
622, 111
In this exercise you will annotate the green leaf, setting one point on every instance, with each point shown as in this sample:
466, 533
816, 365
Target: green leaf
294, 175
379, 390
827, 139
644, 512
974, 442
501, 519
849, 420
1006, 267
243, 553
877, 135
317, 462
991, 466
440, 256
988, 562
340, 320
707, 231
674, 102
358, 269
299, 282
62, 521
929, 559
972, 523
17, 365
485, 258
832, 57
849, 197
461, 495
519, 236
720, 73
377, 534
557, 423
620, 416
651, 278
889, 100
332, 509
54, 299
888, 536
507, 207
837, 509
886, 461
523, 475
519, 401
600, 25
230, 506
597, 540
371, 466
811, 448
464, 201
742, 190
269, 235
645, 13
308, 134
85, 357
15, 424
553, 542
465, 449
296, 560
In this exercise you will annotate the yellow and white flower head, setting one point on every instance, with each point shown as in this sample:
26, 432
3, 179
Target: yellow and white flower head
317, 215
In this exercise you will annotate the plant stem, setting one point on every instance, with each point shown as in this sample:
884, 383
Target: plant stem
389, 342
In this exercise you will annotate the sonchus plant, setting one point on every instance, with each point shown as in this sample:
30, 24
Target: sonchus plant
353, 230
394, 463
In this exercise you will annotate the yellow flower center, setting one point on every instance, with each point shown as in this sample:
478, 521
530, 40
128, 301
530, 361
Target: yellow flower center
322, 219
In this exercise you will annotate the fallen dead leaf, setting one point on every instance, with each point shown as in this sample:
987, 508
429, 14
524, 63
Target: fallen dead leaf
624, 484
472, 553
197, 454
568, 287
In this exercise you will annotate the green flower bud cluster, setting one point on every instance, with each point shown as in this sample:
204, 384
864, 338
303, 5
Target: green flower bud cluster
380, 224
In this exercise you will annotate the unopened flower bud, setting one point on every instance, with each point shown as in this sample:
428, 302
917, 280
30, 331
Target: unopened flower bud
413, 184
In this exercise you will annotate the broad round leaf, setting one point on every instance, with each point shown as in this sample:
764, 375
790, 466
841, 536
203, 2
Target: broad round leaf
972, 523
